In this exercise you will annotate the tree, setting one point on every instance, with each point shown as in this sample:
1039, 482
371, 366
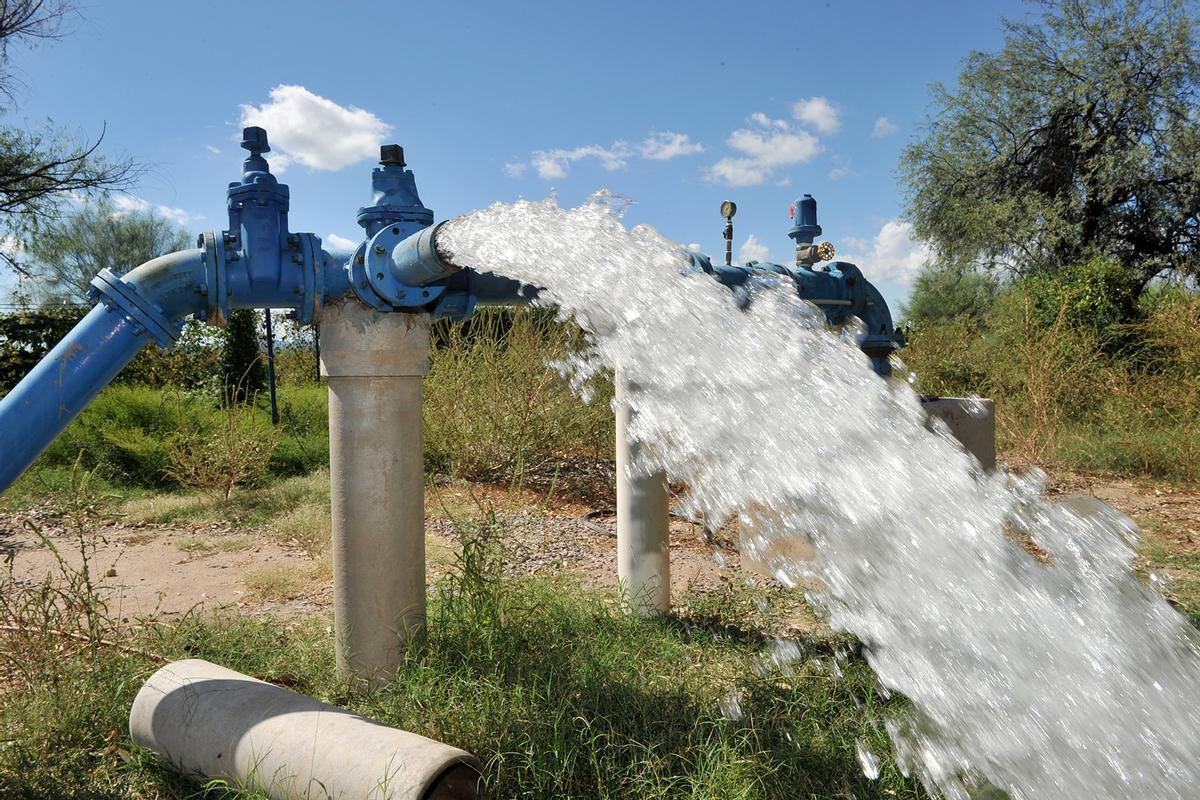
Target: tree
1079, 138
942, 293
242, 367
39, 169
67, 253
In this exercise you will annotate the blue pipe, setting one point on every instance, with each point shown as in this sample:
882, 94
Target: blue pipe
144, 306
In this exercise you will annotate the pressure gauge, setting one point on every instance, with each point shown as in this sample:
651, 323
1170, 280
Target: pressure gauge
825, 251
728, 209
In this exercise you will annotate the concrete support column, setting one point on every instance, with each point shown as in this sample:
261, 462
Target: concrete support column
375, 364
643, 556
971, 420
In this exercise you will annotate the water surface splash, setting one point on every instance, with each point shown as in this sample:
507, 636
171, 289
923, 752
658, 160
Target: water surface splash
1050, 676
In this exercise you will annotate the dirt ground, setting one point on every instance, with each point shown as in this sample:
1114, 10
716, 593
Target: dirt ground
168, 570
171, 569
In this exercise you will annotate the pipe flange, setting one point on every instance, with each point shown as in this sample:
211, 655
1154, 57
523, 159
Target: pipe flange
313, 275
381, 276
217, 311
359, 283
141, 310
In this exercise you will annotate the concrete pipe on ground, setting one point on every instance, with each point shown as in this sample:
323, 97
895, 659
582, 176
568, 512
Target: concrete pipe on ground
212, 722
375, 364
643, 551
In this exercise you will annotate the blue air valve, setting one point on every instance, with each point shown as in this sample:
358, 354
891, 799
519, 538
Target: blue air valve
839, 289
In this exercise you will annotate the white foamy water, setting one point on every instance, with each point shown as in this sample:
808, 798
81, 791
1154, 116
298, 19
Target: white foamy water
1059, 678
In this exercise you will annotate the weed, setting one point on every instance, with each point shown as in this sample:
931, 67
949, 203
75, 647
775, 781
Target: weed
215, 462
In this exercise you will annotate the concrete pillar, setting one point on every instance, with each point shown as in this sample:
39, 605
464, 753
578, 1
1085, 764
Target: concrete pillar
213, 722
971, 420
375, 364
643, 555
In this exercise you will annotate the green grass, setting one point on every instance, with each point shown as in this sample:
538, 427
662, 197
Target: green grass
560, 694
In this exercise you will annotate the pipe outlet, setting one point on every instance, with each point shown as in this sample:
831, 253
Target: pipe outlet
416, 260
210, 721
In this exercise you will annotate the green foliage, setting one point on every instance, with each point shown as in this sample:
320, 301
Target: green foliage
303, 447
124, 433
243, 369
217, 461
1082, 378
67, 253
1094, 296
26, 336
495, 408
1078, 138
942, 293
130, 433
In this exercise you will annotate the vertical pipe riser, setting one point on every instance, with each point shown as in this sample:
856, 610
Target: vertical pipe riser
375, 364
643, 552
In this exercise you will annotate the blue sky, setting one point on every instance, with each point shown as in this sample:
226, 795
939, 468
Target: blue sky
676, 105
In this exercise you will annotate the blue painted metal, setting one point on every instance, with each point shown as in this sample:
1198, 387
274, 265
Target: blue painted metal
839, 289
394, 198
255, 263
258, 263
804, 214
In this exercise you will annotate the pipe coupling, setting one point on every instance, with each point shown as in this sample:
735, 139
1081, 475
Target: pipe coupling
116, 293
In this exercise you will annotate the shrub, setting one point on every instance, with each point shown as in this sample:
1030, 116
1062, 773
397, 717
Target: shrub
124, 432
1082, 379
243, 370
217, 461
494, 406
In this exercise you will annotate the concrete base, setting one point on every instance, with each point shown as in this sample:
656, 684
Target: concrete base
375, 364
971, 420
212, 722
643, 552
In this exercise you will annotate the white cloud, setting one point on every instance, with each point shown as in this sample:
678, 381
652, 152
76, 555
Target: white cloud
694, 247
892, 254
216, 151
883, 127
819, 113
840, 171
767, 145
753, 250
668, 145
340, 242
759, 118
176, 215
128, 203
314, 130
515, 169
551, 164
